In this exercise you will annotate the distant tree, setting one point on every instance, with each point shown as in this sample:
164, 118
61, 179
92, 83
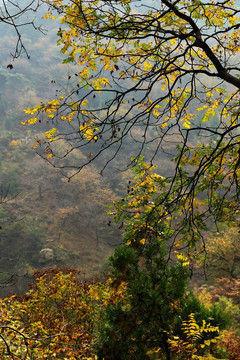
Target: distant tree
223, 254
158, 73
228, 287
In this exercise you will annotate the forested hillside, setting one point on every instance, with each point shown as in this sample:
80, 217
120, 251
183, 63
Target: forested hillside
40, 209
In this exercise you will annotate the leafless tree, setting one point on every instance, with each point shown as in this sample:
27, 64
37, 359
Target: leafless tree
19, 14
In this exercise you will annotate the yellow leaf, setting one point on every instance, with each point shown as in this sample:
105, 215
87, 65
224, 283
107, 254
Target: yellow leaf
122, 74
84, 102
186, 124
49, 134
207, 342
147, 66
29, 121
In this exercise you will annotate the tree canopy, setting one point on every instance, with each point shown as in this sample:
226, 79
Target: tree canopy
156, 73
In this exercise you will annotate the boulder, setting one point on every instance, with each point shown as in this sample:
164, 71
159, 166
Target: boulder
46, 255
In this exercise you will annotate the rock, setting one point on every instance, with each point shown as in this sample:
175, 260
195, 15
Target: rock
46, 255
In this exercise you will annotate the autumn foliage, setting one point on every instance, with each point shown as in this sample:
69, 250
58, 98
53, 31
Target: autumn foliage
62, 317
155, 74
143, 309
53, 320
